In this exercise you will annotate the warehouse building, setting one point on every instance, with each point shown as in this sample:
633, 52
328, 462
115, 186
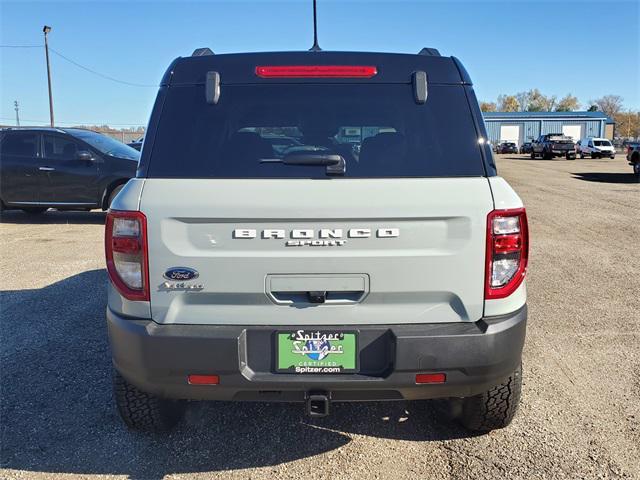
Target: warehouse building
520, 127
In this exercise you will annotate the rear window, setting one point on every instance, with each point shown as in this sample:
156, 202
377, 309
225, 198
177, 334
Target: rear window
560, 139
106, 145
378, 129
23, 144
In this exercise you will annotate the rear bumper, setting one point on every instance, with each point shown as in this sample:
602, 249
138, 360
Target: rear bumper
475, 356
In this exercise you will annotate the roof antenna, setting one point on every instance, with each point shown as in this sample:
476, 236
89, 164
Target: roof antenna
315, 47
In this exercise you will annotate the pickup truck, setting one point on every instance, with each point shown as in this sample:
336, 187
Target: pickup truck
553, 145
633, 157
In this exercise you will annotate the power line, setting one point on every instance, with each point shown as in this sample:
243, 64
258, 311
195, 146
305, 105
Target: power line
90, 70
20, 46
78, 123
100, 74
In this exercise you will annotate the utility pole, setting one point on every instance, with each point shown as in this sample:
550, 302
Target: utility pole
46, 30
17, 109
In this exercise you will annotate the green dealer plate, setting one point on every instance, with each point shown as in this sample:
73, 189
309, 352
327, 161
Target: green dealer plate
316, 351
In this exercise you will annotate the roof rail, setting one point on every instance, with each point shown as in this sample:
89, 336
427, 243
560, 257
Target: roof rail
27, 127
431, 52
202, 52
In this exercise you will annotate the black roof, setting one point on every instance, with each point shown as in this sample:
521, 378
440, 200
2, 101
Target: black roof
70, 130
239, 68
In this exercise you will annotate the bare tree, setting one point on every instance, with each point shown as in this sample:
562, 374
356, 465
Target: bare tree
537, 101
523, 100
610, 105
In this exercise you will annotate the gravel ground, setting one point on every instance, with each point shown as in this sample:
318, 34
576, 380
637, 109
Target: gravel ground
579, 418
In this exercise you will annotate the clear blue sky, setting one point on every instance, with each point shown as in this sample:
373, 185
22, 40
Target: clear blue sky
587, 48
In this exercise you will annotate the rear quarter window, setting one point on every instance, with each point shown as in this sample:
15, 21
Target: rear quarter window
378, 129
21, 144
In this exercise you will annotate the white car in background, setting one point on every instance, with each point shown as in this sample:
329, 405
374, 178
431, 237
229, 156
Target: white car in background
596, 148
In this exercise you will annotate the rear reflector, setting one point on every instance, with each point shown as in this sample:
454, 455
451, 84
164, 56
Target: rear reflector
431, 378
316, 71
203, 379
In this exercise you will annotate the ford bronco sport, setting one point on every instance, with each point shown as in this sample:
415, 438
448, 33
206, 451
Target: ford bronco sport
374, 255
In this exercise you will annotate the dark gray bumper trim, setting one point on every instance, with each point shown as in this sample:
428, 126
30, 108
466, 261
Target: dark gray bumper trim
475, 356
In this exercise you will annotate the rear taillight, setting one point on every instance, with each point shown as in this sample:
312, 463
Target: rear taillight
126, 251
507, 252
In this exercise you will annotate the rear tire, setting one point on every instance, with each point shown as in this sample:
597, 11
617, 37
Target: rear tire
546, 155
34, 210
495, 408
144, 411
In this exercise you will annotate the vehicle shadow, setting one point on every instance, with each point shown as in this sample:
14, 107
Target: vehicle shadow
57, 413
607, 177
95, 217
538, 159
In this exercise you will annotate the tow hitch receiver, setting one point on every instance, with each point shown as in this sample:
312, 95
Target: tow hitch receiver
317, 404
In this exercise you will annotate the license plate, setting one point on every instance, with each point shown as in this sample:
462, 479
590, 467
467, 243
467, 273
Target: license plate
316, 351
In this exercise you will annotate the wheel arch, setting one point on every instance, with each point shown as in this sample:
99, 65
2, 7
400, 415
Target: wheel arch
104, 203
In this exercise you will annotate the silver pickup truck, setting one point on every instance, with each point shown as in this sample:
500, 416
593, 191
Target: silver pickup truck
374, 255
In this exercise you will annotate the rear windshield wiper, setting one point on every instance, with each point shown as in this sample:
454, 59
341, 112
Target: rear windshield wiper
335, 163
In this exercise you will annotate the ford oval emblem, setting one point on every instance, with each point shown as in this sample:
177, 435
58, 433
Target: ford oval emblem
181, 274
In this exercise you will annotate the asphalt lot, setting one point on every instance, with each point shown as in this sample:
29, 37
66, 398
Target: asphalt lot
579, 418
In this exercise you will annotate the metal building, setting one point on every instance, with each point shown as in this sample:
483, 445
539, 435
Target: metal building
520, 127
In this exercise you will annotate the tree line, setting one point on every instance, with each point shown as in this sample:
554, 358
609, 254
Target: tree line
627, 121
107, 128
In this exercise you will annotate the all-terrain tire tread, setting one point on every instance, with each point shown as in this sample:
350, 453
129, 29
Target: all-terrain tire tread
144, 411
495, 408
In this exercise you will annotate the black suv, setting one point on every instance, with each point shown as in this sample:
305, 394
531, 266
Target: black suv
526, 147
67, 169
507, 147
